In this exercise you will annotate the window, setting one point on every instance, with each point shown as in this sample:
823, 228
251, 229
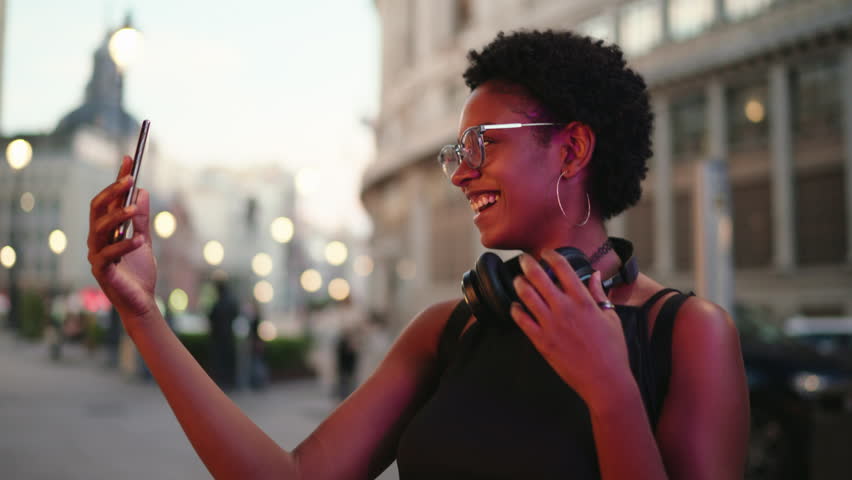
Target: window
683, 231
641, 26
689, 127
741, 9
817, 98
688, 18
752, 215
820, 218
748, 116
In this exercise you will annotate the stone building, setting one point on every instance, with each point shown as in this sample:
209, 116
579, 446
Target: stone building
763, 85
69, 166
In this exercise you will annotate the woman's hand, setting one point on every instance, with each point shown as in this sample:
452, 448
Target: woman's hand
583, 343
126, 270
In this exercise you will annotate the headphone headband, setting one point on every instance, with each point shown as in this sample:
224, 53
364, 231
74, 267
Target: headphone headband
629, 269
488, 288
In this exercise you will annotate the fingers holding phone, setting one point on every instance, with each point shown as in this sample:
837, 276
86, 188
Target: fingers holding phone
123, 265
125, 229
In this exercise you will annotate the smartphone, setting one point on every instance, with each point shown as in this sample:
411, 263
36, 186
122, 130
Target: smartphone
125, 229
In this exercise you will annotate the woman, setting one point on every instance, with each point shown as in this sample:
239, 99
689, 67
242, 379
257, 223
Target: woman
551, 395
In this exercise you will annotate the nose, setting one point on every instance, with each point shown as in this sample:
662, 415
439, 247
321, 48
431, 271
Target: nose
464, 174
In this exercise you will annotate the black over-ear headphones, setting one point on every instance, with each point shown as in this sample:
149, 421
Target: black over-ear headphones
488, 288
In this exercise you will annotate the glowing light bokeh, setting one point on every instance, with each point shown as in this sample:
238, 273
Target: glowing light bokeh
165, 224
124, 46
311, 280
282, 229
336, 253
214, 252
178, 300
338, 289
8, 256
754, 111
19, 152
263, 291
57, 241
261, 264
267, 331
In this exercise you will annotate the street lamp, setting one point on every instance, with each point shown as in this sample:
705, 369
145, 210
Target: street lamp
19, 153
124, 47
57, 241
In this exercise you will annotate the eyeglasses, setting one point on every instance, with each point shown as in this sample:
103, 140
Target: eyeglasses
471, 147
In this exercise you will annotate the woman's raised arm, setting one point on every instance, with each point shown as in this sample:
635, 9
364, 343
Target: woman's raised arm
356, 441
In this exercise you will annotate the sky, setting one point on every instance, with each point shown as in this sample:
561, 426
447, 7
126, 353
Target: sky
227, 83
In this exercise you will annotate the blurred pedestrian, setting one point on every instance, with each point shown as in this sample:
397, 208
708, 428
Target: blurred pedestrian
258, 371
346, 360
374, 344
223, 349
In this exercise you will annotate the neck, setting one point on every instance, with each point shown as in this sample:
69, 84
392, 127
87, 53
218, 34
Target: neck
588, 238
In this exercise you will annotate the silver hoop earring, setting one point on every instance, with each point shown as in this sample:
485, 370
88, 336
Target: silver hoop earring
562, 209
558, 198
588, 212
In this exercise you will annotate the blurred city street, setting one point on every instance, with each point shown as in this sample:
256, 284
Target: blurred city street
78, 420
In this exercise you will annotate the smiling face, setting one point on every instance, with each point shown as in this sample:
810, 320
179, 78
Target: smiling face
513, 193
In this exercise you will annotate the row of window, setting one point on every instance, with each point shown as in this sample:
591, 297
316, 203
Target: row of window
641, 25
819, 220
816, 100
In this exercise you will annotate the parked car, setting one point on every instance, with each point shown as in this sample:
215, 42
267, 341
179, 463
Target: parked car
801, 405
830, 336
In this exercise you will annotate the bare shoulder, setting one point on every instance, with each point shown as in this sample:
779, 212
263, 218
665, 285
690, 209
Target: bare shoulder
703, 428
701, 321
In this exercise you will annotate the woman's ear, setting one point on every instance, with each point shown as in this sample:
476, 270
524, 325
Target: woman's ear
577, 148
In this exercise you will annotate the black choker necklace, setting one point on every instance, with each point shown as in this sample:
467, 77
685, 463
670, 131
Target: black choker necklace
601, 251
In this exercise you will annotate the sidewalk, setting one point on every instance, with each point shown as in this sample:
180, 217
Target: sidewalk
76, 419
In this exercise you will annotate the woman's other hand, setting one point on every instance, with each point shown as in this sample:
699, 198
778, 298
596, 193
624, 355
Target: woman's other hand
582, 342
126, 270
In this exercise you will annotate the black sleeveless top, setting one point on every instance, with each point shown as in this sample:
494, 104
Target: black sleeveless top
499, 411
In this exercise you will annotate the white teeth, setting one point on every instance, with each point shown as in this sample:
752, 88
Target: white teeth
482, 201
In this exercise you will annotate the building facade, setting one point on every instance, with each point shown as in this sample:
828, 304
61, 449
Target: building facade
765, 86
69, 166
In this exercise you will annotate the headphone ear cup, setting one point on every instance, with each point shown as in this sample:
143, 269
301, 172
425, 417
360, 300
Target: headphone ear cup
495, 296
473, 296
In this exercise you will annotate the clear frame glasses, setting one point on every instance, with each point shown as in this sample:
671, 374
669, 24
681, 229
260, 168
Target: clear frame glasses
471, 146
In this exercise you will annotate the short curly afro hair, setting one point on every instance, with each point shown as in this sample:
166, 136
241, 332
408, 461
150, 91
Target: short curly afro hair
577, 78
